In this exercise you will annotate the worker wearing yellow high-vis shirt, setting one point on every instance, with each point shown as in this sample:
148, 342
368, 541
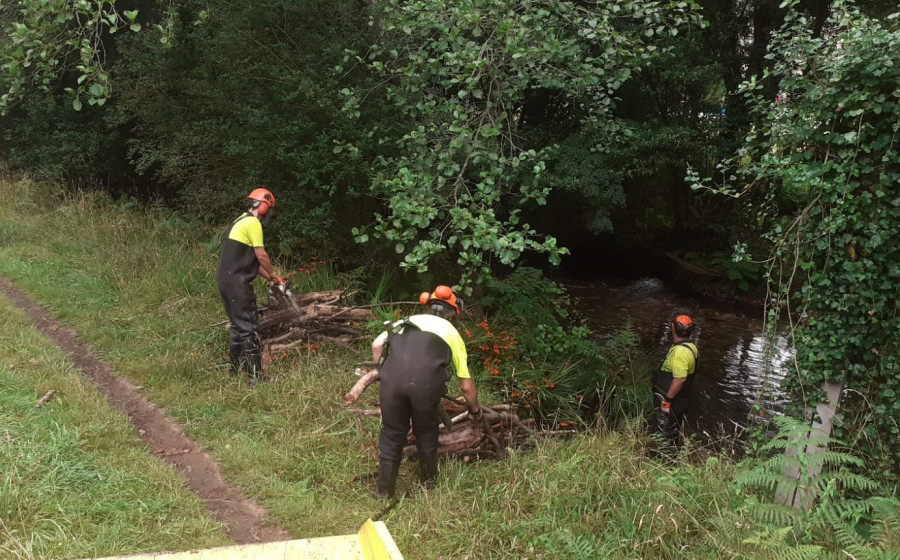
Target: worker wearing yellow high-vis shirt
417, 357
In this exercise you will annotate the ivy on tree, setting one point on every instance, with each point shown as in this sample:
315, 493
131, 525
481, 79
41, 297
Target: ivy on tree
823, 166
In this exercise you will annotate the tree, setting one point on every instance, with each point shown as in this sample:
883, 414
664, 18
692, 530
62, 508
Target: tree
462, 75
51, 37
823, 165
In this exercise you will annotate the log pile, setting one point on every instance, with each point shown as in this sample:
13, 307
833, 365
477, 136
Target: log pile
291, 320
497, 430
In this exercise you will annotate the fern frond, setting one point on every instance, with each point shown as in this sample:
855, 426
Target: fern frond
832, 458
769, 539
802, 552
776, 515
757, 479
870, 554
851, 481
846, 535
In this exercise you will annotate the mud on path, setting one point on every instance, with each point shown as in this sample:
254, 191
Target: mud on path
242, 517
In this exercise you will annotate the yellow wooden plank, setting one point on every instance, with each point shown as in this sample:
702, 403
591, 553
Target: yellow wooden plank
372, 542
377, 544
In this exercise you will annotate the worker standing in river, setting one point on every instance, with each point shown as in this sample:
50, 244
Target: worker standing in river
672, 383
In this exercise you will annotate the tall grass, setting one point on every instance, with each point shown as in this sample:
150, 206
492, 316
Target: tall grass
77, 481
139, 286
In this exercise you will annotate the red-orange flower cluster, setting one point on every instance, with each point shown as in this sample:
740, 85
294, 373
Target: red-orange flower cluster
274, 357
311, 266
493, 349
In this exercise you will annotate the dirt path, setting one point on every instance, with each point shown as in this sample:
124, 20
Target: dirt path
242, 517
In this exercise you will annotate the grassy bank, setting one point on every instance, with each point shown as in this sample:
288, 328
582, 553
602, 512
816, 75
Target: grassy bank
139, 286
77, 481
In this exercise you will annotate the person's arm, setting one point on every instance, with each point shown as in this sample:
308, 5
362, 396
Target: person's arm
675, 387
378, 347
265, 264
682, 362
467, 386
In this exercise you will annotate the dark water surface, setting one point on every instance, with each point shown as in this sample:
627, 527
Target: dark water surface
736, 370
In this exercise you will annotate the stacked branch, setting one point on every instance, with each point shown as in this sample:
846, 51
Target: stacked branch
498, 429
292, 320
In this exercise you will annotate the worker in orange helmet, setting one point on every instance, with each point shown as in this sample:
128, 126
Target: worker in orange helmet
672, 383
417, 357
243, 258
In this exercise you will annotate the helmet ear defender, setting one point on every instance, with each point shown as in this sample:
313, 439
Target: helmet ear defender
443, 299
260, 197
683, 326
261, 207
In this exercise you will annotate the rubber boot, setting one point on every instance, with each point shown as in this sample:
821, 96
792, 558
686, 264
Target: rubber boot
387, 479
428, 470
253, 364
666, 436
235, 353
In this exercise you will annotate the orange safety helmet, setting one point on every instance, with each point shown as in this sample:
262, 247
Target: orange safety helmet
262, 197
443, 296
683, 326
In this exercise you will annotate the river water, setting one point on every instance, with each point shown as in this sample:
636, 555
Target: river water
738, 377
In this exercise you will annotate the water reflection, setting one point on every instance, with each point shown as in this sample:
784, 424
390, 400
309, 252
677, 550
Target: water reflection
739, 376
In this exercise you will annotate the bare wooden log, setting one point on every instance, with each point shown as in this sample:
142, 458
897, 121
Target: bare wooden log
292, 332
696, 269
556, 433
360, 386
487, 437
325, 296
45, 399
274, 348
320, 310
367, 411
466, 437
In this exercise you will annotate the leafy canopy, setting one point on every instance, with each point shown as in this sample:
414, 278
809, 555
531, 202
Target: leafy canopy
45, 38
460, 74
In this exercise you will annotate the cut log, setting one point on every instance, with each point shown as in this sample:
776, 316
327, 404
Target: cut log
319, 318
488, 437
360, 386
321, 310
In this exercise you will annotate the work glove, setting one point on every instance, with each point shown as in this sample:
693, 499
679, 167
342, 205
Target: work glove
480, 419
665, 408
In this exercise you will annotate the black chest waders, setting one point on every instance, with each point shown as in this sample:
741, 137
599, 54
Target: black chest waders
414, 370
669, 425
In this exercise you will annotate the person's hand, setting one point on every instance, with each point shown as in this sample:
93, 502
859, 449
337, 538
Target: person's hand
278, 280
476, 416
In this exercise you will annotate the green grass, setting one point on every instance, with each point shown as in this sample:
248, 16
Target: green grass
77, 481
140, 288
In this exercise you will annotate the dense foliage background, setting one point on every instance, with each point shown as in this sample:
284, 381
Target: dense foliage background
463, 139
